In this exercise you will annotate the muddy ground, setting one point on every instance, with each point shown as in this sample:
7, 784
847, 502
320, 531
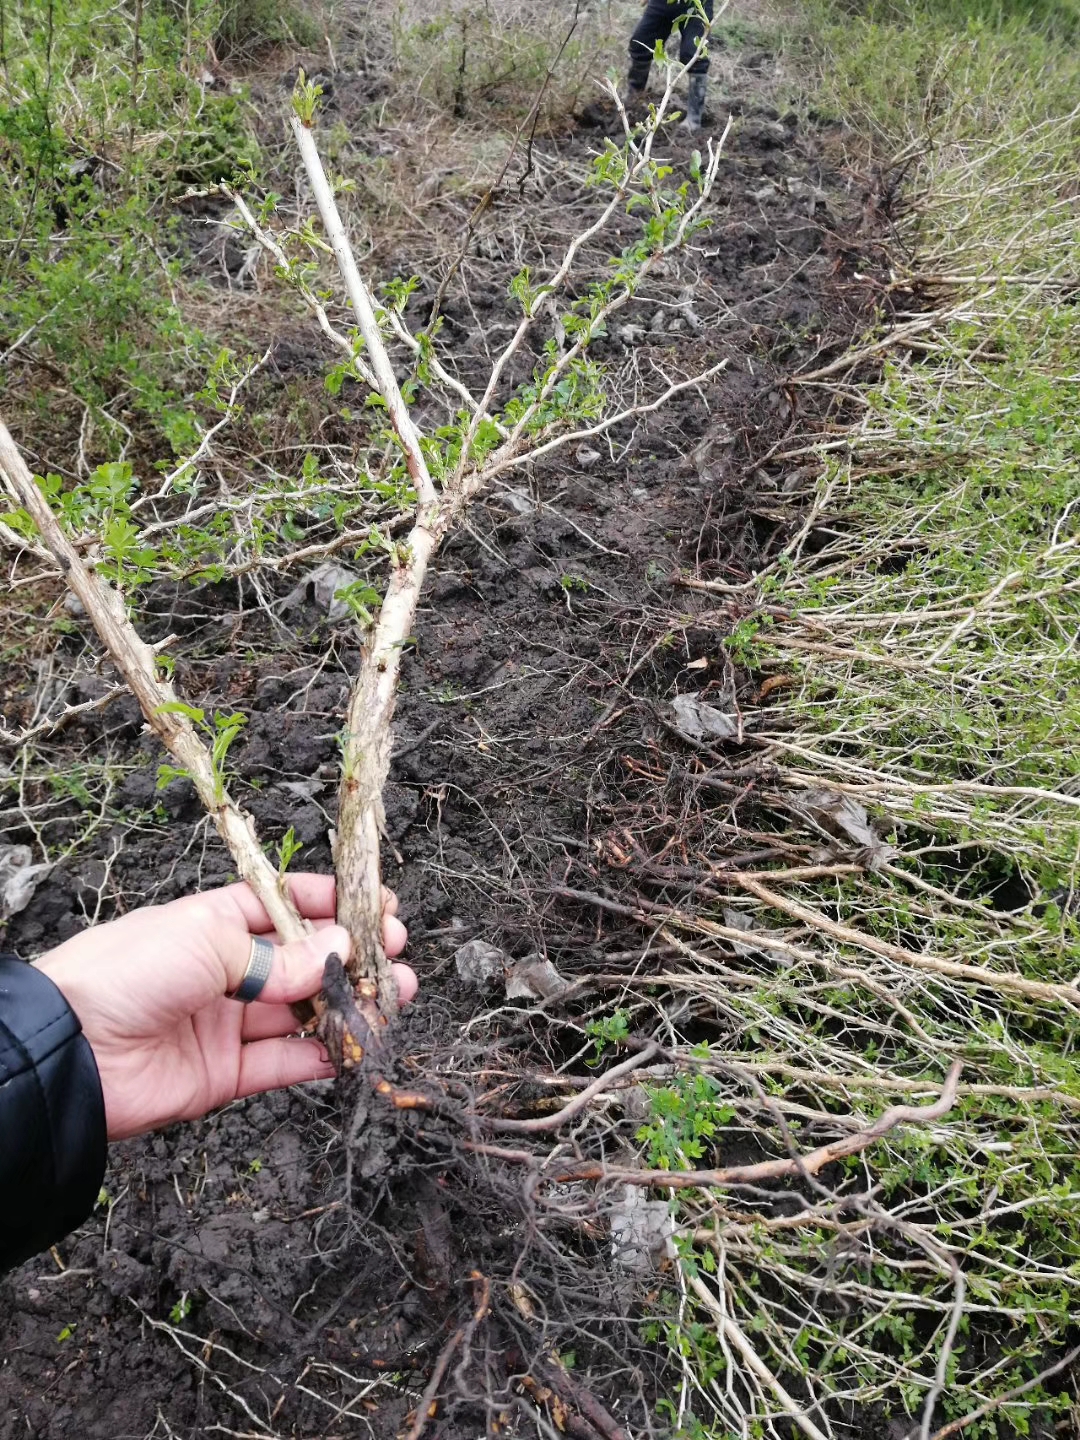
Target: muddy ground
223, 1286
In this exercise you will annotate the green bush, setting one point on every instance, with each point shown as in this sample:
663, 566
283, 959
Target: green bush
102, 122
249, 27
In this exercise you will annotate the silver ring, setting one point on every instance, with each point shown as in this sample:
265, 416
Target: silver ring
257, 972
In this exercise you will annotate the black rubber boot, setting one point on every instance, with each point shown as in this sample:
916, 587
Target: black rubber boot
695, 102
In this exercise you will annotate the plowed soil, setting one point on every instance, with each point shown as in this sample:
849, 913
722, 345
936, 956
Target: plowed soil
224, 1285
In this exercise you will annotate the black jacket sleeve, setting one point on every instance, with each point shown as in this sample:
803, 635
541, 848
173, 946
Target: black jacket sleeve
52, 1116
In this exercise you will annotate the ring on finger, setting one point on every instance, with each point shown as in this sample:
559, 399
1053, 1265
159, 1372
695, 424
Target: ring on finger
260, 963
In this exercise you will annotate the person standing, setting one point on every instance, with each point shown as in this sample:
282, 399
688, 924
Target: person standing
658, 19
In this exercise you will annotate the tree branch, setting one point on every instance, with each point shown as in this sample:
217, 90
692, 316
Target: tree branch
792, 1167
137, 663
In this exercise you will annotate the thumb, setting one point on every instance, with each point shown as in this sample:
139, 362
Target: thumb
296, 971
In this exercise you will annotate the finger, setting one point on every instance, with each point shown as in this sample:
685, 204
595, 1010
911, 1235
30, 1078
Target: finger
389, 901
266, 1022
275, 938
407, 983
273, 1064
296, 970
394, 935
315, 896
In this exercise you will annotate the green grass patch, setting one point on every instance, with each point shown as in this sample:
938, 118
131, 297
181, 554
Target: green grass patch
932, 677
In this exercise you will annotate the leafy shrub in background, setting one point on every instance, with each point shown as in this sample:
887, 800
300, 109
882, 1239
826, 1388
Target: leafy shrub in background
246, 28
468, 58
104, 117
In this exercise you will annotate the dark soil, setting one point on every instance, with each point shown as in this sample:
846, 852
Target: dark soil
224, 1285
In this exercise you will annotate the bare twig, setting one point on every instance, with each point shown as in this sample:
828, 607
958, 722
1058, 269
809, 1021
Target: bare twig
579, 1102
790, 1168
941, 1370
976, 974
752, 1359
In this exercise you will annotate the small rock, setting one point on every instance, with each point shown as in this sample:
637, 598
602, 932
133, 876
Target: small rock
480, 964
303, 789
322, 585
587, 457
641, 1232
74, 606
514, 500
737, 920
631, 334
812, 194
686, 305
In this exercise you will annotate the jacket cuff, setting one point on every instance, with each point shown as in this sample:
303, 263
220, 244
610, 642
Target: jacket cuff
52, 1115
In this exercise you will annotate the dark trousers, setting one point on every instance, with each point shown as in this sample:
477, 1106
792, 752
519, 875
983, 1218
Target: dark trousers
657, 22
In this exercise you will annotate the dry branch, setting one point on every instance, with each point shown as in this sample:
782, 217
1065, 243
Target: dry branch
792, 1167
579, 1102
975, 974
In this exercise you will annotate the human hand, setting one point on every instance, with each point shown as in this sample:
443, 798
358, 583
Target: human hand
150, 990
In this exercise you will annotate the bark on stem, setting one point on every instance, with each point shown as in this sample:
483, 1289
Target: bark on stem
137, 662
366, 746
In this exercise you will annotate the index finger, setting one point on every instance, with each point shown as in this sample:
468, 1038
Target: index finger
315, 896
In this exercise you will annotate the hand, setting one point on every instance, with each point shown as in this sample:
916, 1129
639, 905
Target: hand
150, 990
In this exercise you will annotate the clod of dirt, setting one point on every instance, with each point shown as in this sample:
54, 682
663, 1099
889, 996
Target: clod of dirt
534, 979
480, 964
834, 812
697, 721
19, 878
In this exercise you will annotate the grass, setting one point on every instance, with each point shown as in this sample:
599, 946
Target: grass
927, 668
103, 122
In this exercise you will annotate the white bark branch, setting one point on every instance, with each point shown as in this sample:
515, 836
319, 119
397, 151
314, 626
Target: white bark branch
367, 742
364, 311
137, 663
